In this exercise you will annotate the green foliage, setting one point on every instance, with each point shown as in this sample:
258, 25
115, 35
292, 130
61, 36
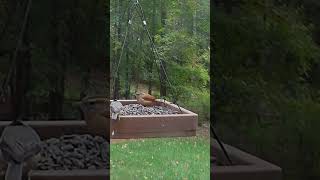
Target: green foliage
80, 46
63, 40
264, 62
180, 30
199, 102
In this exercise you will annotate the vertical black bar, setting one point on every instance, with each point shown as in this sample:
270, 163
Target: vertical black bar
213, 86
108, 60
212, 118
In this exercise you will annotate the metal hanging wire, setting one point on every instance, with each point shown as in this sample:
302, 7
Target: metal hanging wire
19, 42
4, 89
121, 53
156, 54
157, 58
14, 61
213, 119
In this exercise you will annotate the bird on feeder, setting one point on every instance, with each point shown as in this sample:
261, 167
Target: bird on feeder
145, 99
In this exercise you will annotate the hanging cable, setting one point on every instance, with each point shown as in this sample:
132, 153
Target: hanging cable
6, 79
157, 58
10, 16
221, 145
18, 43
154, 49
5, 85
22, 32
213, 117
142, 16
121, 54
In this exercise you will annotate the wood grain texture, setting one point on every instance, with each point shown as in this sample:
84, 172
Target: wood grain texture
49, 129
246, 166
154, 134
70, 175
145, 126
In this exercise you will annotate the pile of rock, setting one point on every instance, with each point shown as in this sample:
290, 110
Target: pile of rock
138, 109
74, 152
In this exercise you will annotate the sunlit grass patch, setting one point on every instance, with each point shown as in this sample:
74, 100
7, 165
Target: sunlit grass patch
161, 158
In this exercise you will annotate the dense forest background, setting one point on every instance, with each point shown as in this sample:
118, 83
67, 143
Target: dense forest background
62, 58
265, 88
180, 31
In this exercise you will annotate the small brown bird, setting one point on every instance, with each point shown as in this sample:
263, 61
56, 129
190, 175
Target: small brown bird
145, 99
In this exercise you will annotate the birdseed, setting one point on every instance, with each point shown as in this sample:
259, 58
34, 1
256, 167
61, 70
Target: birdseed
138, 109
74, 152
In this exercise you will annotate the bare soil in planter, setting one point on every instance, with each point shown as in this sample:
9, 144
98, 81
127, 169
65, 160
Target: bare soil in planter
138, 109
71, 152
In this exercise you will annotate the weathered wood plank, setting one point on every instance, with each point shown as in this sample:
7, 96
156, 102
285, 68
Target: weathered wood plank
246, 166
154, 134
144, 126
48, 129
156, 124
102, 174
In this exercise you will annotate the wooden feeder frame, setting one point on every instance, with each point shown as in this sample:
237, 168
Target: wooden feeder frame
146, 126
246, 166
50, 129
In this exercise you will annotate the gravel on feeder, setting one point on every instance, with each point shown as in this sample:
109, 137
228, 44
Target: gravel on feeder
74, 152
138, 109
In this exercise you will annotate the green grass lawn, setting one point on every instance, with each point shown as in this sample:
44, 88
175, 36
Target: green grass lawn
161, 158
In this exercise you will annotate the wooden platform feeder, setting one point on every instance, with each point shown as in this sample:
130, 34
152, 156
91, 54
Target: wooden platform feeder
50, 129
145, 126
245, 166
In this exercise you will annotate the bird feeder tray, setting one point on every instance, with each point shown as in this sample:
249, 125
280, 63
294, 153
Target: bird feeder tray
245, 166
55, 129
146, 126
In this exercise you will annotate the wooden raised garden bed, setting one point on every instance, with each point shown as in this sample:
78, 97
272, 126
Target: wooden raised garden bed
245, 166
144, 126
49, 129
